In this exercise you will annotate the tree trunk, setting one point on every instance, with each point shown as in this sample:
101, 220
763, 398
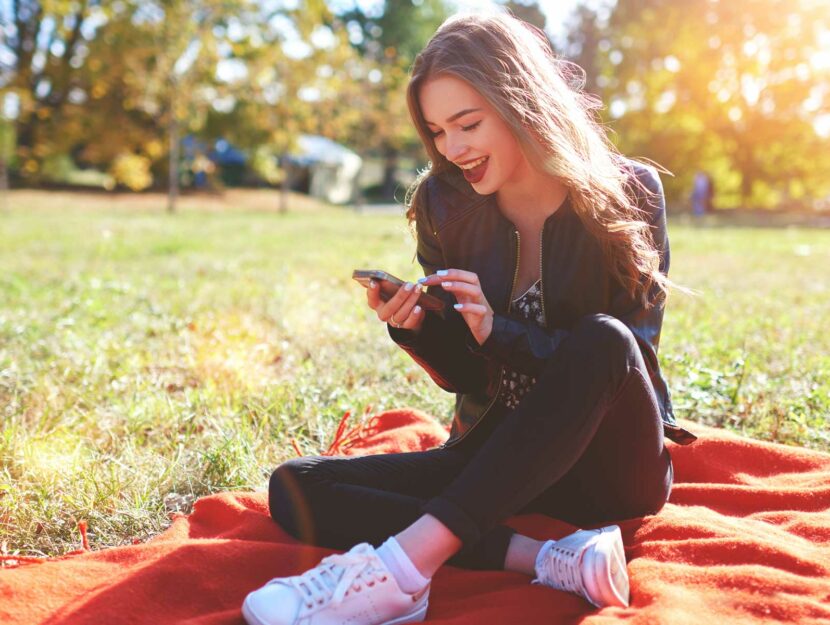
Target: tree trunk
358, 201
746, 188
285, 185
390, 170
4, 184
173, 184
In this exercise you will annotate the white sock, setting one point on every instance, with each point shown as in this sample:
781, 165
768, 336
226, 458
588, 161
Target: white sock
394, 557
541, 555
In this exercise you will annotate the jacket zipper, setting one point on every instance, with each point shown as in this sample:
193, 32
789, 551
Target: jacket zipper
541, 278
501, 368
516, 272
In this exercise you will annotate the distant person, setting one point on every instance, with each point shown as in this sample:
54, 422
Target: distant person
702, 193
550, 251
201, 168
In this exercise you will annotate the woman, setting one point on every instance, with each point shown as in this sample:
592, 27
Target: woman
550, 250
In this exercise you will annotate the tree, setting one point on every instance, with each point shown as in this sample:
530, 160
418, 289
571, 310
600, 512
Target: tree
731, 87
165, 83
40, 60
6, 154
104, 80
388, 41
584, 46
299, 74
528, 11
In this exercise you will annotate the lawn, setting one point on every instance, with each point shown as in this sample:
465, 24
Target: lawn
147, 358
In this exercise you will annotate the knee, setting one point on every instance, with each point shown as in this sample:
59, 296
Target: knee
287, 493
607, 337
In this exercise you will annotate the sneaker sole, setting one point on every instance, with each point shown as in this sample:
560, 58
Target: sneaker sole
609, 568
249, 617
417, 616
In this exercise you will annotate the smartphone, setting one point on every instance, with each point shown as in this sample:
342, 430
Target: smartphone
389, 285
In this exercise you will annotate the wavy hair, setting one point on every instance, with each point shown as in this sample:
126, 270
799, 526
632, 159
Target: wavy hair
540, 98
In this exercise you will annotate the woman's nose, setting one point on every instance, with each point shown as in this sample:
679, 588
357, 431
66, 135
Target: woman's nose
456, 148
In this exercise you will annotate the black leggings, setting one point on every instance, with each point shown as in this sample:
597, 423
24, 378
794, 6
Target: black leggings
585, 445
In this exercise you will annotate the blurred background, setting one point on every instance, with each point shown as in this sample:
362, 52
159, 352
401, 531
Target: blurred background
733, 97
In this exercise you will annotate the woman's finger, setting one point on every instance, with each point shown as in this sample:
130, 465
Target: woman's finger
463, 288
472, 309
387, 309
414, 319
373, 295
400, 315
458, 274
449, 274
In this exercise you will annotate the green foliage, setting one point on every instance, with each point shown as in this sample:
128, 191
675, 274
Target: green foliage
7, 138
734, 88
398, 30
120, 77
265, 163
60, 168
529, 11
388, 42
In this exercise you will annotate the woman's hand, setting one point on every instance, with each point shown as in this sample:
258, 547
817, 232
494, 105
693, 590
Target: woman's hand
401, 311
471, 304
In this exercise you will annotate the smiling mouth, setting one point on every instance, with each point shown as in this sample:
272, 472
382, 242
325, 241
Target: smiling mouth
474, 163
474, 170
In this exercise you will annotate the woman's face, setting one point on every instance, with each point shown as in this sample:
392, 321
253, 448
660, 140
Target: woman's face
469, 133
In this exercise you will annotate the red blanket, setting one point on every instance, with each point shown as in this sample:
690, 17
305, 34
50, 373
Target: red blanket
744, 539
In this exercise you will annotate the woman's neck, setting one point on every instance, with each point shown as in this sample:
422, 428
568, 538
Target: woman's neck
531, 197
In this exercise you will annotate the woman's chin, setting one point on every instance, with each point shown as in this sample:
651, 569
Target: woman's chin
483, 188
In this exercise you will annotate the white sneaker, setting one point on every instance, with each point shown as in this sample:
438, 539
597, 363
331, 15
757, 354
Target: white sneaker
355, 587
590, 563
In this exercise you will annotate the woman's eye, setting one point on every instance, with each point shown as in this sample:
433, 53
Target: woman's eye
435, 134
471, 126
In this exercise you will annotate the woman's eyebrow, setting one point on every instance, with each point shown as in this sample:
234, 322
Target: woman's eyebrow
455, 116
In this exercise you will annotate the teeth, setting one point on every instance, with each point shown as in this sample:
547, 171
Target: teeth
474, 163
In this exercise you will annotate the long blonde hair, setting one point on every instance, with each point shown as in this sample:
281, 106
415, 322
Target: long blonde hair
511, 64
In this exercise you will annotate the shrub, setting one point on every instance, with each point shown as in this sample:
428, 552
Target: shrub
132, 171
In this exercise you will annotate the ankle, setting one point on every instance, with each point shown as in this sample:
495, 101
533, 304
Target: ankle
407, 575
522, 554
428, 543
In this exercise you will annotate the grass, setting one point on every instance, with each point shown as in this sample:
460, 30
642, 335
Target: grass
147, 359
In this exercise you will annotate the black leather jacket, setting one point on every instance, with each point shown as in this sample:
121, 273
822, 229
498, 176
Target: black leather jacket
457, 228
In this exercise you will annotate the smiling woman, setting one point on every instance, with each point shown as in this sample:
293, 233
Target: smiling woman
549, 250
473, 138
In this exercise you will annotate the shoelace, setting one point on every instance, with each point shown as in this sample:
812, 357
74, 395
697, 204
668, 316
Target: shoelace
563, 570
359, 565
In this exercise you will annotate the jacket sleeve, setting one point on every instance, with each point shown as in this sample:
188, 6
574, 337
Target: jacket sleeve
526, 347
520, 344
440, 347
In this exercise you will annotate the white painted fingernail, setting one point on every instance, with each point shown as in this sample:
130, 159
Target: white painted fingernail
372, 284
408, 286
458, 306
417, 310
446, 284
442, 272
